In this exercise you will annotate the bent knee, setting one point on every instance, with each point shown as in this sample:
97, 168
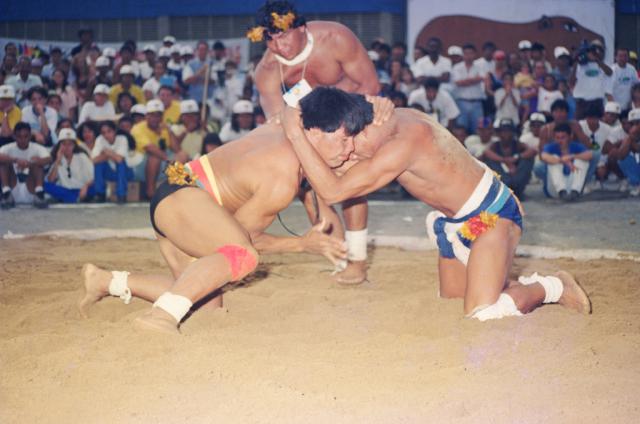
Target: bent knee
242, 260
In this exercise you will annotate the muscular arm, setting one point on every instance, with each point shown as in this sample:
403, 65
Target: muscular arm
355, 62
269, 85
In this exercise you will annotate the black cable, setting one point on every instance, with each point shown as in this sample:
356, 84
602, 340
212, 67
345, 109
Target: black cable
315, 206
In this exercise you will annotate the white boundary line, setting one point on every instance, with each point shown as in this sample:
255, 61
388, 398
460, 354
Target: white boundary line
403, 242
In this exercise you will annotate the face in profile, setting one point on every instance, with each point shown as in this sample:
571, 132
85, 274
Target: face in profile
334, 147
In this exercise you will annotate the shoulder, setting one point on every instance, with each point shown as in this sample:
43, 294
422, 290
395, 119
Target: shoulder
7, 148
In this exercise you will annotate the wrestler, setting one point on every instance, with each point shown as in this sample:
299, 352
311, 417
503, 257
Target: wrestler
304, 54
210, 216
478, 221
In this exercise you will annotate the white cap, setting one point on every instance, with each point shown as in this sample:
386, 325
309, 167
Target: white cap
538, 117
109, 52
101, 89
175, 48
634, 115
169, 39
524, 44
188, 106
243, 106
154, 105
102, 61
560, 51
613, 107
454, 51
149, 48
373, 55
126, 70
7, 92
138, 108
186, 50
164, 52
67, 134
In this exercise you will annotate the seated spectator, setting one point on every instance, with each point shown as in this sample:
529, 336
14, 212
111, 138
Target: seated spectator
398, 98
138, 113
510, 159
171, 114
152, 85
210, 143
567, 164
507, 100
628, 152
189, 133
598, 132
134, 157
110, 162
146, 66
547, 94
532, 137
88, 133
125, 102
42, 119
22, 165
68, 95
126, 85
70, 178
64, 123
612, 111
54, 101
104, 75
435, 102
100, 109
635, 96
459, 132
259, 116
10, 113
611, 148
23, 82
538, 54
241, 123
476, 144
407, 81
469, 79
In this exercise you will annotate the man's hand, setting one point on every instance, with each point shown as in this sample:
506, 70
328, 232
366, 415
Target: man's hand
382, 109
317, 241
22, 164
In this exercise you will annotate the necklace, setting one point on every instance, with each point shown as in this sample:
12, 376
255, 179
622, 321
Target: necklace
301, 57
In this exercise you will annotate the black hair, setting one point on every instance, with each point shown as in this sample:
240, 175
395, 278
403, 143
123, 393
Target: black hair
218, 45
65, 82
265, 19
258, 111
21, 126
489, 45
38, 89
126, 47
384, 47
431, 82
417, 106
594, 110
560, 104
109, 124
398, 95
210, 138
10, 44
93, 127
624, 114
235, 125
330, 108
64, 121
123, 95
564, 127
469, 46
537, 46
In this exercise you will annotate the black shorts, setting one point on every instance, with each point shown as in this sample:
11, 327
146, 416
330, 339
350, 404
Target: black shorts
164, 190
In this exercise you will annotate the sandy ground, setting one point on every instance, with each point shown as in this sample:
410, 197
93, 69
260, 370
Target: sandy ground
296, 348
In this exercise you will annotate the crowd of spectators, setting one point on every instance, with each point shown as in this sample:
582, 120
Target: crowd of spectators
71, 122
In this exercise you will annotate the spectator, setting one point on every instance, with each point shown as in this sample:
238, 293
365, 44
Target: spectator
110, 52
567, 163
527, 86
56, 61
88, 133
138, 113
100, 108
171, 114
384, 55
41, 118
126, 58
85, 35
110, 162
469, 90
126, 85
612, 111
563, 87
186, 52
219, 60
589, 77
175, 65
547, 94
242, 121
22, 165
54, 101
510, 159
478, 143
486, 61
435, 102
433, 64
210, 143
188, 133
612, 146
11, 49
70, 179
399, 52
407, 83
623, 77
562, 71
148, 64
23, 81
493, 81
418, 53
524, 51
193, 74
259, 116
538, 54
598, 132
152, 85
628, 153
10, 114
234, 84
635, 96
460, 132
68, 95
455, 54
104, 75
125, 103
9, 64
168, 41
507, 100
532, 137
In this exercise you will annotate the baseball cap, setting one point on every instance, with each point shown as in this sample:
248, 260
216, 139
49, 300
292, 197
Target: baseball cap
164, 52
126, 70
454, 51
524, 45
149, 48
612, 107
538, 117
7, 92
154, 105
102, 61
186, 50
560, 51
139, 109
109, 52
175, 48
67, 134
243, 106
101, 89
506, 123
634, 115
633, 55
188, 106
169, 39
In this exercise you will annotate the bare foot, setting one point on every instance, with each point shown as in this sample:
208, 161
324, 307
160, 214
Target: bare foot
354, 273
158, 320
573, 295
96, 286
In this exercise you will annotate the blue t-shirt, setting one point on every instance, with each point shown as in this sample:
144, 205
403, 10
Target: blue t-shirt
575, 148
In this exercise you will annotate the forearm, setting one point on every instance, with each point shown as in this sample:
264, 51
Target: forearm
491, 155
605, 68
267, 243
550, 159
588, 155
155, 151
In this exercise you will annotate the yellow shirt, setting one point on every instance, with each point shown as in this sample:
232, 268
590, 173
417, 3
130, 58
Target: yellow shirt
171, 115
15, 115
134, 90
145, 136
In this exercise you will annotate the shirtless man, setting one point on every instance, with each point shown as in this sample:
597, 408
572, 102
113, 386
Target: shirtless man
316, 53
210, 216
478, 221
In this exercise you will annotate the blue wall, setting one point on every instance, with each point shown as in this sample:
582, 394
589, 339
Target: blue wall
27, 10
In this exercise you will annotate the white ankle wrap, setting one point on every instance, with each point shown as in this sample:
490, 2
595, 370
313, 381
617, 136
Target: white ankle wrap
504, 307
175, 305
356, 245
119, 287
552, 286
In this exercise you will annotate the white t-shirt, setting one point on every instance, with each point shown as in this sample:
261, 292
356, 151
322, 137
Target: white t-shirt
508, 109
546, 99
227, 133
469, 92
621, 81
530, 140
424, 67
50, 114
120, 146
32, 150
76, 174
90, 111
599, 136
617, 134
485, 65
475, 146
146, 71
591, 82
443, 107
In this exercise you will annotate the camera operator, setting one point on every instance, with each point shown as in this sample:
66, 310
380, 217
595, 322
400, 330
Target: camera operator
589, 77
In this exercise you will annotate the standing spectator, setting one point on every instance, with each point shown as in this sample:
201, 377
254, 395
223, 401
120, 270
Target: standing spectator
70, 179
126, 85
562, 71
22, 164
469, 89
547, 94
628, 153
193, 74
42, 119
175, 64
589, 77
478, 143
507, 100
510, 159
567, 163
10, 114
9, 64
524, 51
109, 158
486, 62
435, 102
68, 95
598, 132
623, 77
23, 81
433, 64
100, 108
242, 121
234, 83
85, 35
